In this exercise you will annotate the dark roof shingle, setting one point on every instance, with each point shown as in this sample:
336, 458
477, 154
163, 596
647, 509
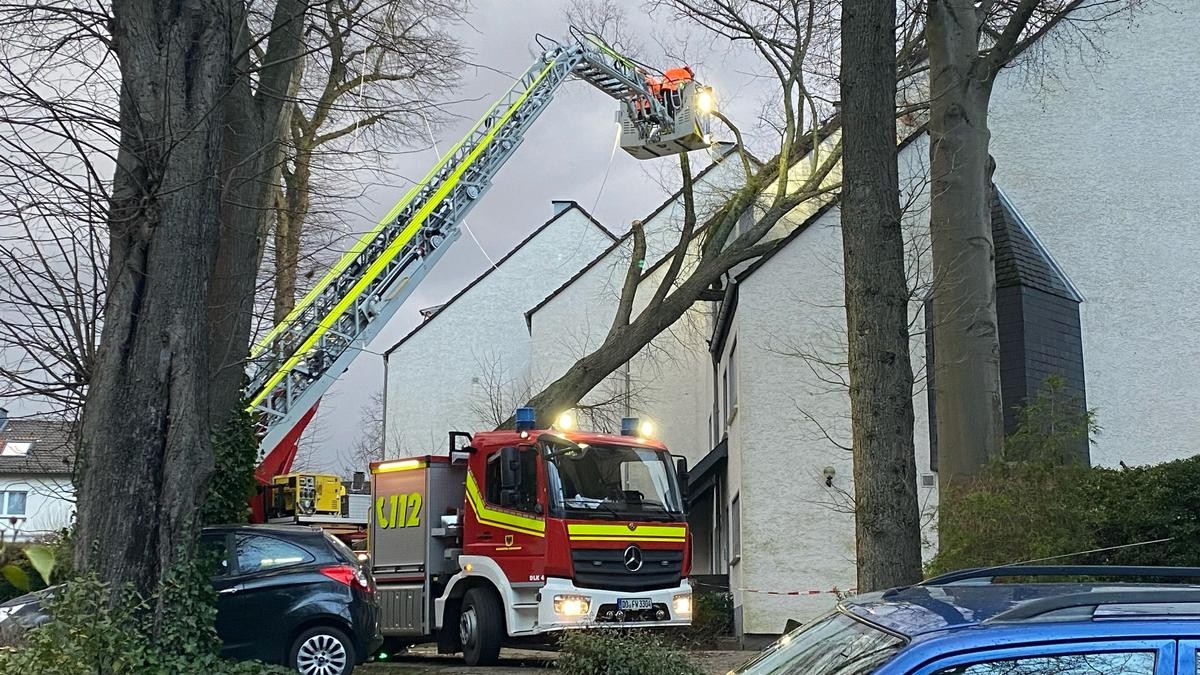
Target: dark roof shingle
1020, 258
51, 450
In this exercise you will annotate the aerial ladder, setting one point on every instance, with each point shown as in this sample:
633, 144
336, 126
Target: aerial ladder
295, 364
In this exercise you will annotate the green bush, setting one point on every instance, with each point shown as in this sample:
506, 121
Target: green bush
610, 652
1036, 503
712, 616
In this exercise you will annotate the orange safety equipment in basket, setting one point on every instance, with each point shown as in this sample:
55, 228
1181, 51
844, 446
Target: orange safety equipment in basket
673, 78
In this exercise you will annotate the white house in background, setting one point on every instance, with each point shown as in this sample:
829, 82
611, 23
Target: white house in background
36, 494
1096, 260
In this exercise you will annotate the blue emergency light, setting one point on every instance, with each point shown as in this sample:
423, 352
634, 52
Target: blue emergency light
526, 419
629, 426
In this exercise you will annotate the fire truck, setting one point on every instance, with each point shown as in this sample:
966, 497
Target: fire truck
515, 536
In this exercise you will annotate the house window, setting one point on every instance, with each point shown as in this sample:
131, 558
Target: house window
735, 528
729, 383
12, 502
14, 449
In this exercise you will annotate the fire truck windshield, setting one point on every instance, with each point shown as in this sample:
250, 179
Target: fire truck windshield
614, 482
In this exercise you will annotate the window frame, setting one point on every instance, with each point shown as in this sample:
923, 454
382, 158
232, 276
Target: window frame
4, 496
1164, 649
735, 529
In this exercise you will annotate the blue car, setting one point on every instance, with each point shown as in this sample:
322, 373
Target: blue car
965, 623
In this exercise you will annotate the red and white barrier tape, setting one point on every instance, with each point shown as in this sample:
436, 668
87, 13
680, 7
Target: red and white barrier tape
836, 591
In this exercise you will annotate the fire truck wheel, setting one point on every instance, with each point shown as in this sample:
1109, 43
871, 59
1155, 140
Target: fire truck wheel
323, 650
481, 627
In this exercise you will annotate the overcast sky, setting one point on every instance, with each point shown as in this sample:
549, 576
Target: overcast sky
565, 155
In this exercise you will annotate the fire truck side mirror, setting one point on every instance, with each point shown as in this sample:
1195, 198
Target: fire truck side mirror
681, 471
510, 469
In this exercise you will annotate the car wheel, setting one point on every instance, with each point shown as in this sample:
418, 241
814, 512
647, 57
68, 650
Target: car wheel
323, 650
481, 627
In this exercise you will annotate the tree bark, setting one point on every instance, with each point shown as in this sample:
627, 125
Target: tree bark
887, 520
288, 233
146, 448
251, 173
966, 374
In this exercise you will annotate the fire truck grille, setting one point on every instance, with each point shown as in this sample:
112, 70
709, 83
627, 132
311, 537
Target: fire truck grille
605, 568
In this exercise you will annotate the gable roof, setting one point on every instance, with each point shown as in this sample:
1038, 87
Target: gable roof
727, 149
561, 207
1021, 259
51, 448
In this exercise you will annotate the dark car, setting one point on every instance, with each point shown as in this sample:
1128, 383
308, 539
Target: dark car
290, 595
966, 624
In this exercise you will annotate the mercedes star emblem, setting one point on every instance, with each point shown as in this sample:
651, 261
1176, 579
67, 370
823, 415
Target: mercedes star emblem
633, 558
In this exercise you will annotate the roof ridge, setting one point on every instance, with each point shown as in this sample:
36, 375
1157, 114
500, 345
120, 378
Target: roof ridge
574, 206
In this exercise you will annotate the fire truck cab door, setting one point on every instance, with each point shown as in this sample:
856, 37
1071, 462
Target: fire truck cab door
509, 514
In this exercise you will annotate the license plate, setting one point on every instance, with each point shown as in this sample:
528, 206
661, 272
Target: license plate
634, 603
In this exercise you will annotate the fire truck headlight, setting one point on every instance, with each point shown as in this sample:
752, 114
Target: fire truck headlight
572, 605
566, 421
682, 604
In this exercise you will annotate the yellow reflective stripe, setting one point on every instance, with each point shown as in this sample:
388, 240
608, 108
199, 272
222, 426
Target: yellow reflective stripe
367, 238
673, 540
395, 246
643, 532
501, 519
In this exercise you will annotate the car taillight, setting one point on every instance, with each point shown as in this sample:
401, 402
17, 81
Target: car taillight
348, 575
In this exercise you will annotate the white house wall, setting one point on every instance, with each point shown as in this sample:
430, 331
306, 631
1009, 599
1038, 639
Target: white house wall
797, 534
439, 375
1100, 159
48, 506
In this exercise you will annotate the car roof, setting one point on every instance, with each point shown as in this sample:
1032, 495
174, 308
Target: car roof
972, 598
280, 530
923, 609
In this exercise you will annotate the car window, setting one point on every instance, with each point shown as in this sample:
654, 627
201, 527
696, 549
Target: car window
256, 553
1109, 663
212, 547
835, 644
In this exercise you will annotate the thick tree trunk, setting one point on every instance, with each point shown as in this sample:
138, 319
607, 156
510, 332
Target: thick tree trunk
887, 520
288, 232
966, 374
145, 433
251, 174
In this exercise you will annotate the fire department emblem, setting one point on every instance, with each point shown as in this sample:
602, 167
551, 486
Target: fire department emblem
508, 540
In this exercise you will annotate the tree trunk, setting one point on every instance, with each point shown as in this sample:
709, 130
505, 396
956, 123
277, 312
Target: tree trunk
288, 234
966, 375
146, 447
887, 521
251, 174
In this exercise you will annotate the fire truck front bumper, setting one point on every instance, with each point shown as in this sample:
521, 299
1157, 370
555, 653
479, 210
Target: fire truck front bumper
562, 605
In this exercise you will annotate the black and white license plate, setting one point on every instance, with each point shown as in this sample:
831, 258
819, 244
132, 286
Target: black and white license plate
628, 604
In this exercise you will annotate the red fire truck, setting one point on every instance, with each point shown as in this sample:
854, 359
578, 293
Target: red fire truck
517, 535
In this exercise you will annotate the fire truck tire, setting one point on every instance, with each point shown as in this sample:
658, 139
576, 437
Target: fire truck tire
481, 627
